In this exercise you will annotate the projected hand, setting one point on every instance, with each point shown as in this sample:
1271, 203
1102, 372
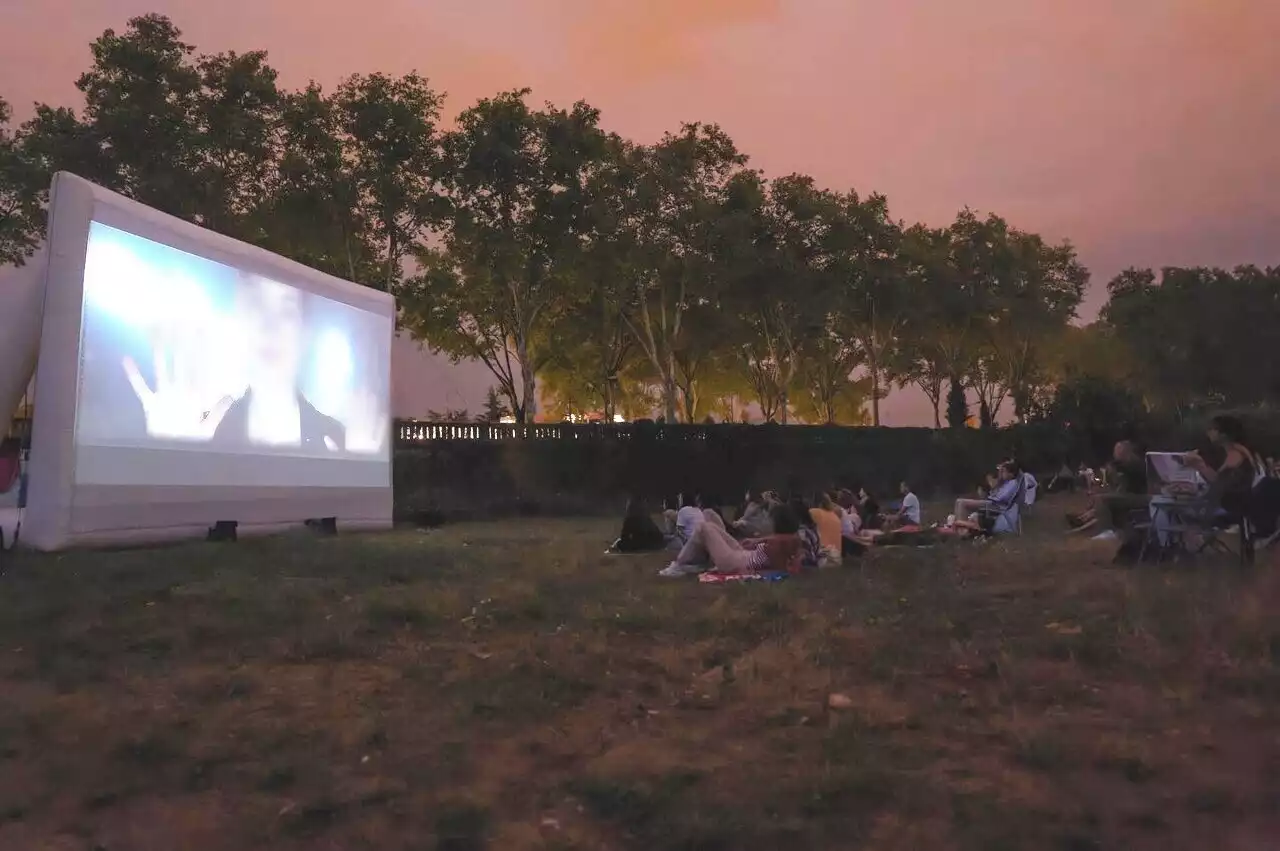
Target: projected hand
174, 408
366, 424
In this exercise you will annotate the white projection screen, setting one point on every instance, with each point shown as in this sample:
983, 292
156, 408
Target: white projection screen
185, 378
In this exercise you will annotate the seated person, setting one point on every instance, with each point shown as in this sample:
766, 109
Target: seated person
712, 546
999, 516
810, 545
639, 533
1113, 509
908, 513
756, 520
989, 484
825, 515
683, 521
1241, 470
850, 523
869, 509
846, 500
967, 506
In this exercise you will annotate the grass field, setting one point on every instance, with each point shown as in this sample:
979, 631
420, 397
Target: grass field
507, 686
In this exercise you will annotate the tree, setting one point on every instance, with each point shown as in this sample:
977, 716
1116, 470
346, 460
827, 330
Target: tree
1090, 409
517, 186
681, 191
495, 409
21, 214
591, 339
874, 298
450, 415
572, 383
393, 154
928, 349
976, 258
142, 100
310, 210
832, 396
1033, 304
957, 406
780, 242
1199, 338
465, 315
238, 113
723, 390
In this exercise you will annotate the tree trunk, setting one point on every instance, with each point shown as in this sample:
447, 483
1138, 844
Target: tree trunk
609, 406
957, 405
392, 259
669, 392
874, 368
528, 382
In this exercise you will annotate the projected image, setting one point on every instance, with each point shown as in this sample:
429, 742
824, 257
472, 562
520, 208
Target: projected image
182, 352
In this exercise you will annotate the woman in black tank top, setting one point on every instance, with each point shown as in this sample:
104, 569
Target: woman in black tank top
1241, 469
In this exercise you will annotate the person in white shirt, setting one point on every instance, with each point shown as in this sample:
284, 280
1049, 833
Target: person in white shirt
909, 513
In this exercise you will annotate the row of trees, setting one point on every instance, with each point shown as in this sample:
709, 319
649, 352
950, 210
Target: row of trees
618, 277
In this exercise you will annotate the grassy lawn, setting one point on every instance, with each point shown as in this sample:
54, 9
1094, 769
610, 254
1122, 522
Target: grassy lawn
507, 686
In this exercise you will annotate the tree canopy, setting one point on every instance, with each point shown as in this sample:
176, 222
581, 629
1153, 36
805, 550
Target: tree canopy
598, 276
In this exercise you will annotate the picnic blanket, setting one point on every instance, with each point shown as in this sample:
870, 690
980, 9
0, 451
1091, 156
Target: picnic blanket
712, 576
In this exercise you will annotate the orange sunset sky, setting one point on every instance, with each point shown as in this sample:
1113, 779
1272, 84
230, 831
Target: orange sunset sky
1146, 131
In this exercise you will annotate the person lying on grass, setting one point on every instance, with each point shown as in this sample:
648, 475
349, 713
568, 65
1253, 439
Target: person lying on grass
712, 547
756, 519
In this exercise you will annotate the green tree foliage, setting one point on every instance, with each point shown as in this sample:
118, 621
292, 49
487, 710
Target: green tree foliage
873, 293
1199, 338
685, 182
21, 213
777, 243
1034, 302
632, 278
593, 348
392, 156
142, 100
495, 408
957, 404
311, 211
517, 182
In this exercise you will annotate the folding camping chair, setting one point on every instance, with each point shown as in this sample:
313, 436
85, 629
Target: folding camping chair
1016, 505
1192, 524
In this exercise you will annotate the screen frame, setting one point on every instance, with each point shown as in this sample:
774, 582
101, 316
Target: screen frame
60, 512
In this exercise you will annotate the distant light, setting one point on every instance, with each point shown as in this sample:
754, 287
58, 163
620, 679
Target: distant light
507, 420
618, 418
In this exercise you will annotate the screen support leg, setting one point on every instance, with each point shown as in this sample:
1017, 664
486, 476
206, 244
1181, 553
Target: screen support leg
223, 530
